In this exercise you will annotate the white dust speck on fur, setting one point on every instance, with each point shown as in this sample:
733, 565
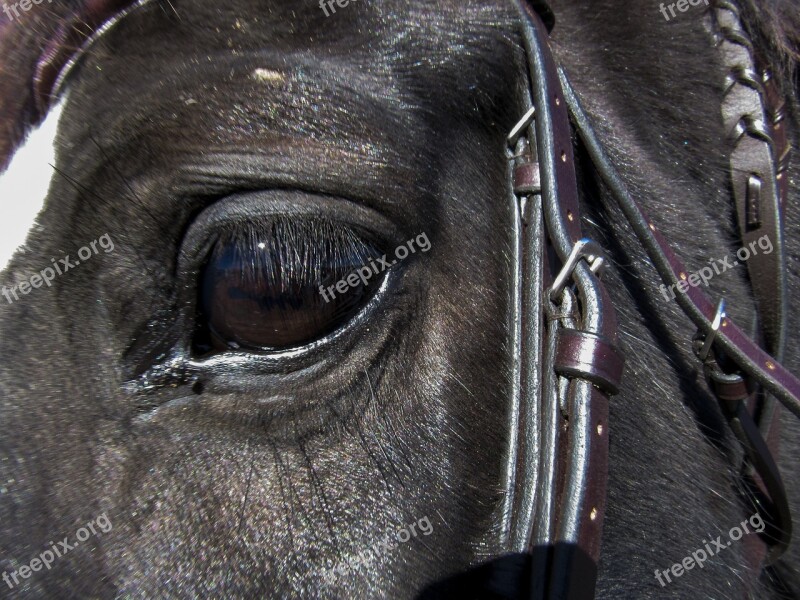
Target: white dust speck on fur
269, 75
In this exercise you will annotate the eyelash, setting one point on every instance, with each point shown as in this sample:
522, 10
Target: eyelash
295, 251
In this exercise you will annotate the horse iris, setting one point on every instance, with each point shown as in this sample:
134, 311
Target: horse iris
260, 289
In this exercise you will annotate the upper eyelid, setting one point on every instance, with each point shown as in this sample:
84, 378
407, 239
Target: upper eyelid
262, 205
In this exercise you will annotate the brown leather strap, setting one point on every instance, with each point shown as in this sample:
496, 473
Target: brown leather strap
759, 214
725, 337
48, 37
71, 40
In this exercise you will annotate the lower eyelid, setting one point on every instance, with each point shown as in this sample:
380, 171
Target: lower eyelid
180, 369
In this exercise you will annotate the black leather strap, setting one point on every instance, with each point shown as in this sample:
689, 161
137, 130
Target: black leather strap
560, 469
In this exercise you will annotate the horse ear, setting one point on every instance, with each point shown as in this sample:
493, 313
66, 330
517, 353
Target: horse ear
35, 44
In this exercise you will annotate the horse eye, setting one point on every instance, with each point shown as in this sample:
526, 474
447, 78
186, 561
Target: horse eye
266, 287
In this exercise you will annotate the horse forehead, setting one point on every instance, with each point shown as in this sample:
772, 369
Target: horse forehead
319, 21
299, 94
238, 70
378, 36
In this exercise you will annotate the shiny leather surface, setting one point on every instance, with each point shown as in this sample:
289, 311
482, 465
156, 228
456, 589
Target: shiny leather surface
562, 491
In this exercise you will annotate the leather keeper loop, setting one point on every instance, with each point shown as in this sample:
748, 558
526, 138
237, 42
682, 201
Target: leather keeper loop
729, 389
527, 179
590, 357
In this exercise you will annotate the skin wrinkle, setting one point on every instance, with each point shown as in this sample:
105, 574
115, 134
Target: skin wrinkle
247, 490
319, 490
408, 104
377, 439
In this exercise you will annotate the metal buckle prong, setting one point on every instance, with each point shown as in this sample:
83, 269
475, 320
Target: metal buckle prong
519, 129
583, 248
715, 325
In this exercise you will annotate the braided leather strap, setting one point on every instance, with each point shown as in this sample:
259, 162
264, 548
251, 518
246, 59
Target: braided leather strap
752, 112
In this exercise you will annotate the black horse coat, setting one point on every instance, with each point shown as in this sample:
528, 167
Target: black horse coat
252, 475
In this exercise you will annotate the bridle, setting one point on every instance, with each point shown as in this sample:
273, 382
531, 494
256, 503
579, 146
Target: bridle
559, 474
567, 365
559, 457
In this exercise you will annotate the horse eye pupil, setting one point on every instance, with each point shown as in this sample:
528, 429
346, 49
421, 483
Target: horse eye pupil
264, 292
